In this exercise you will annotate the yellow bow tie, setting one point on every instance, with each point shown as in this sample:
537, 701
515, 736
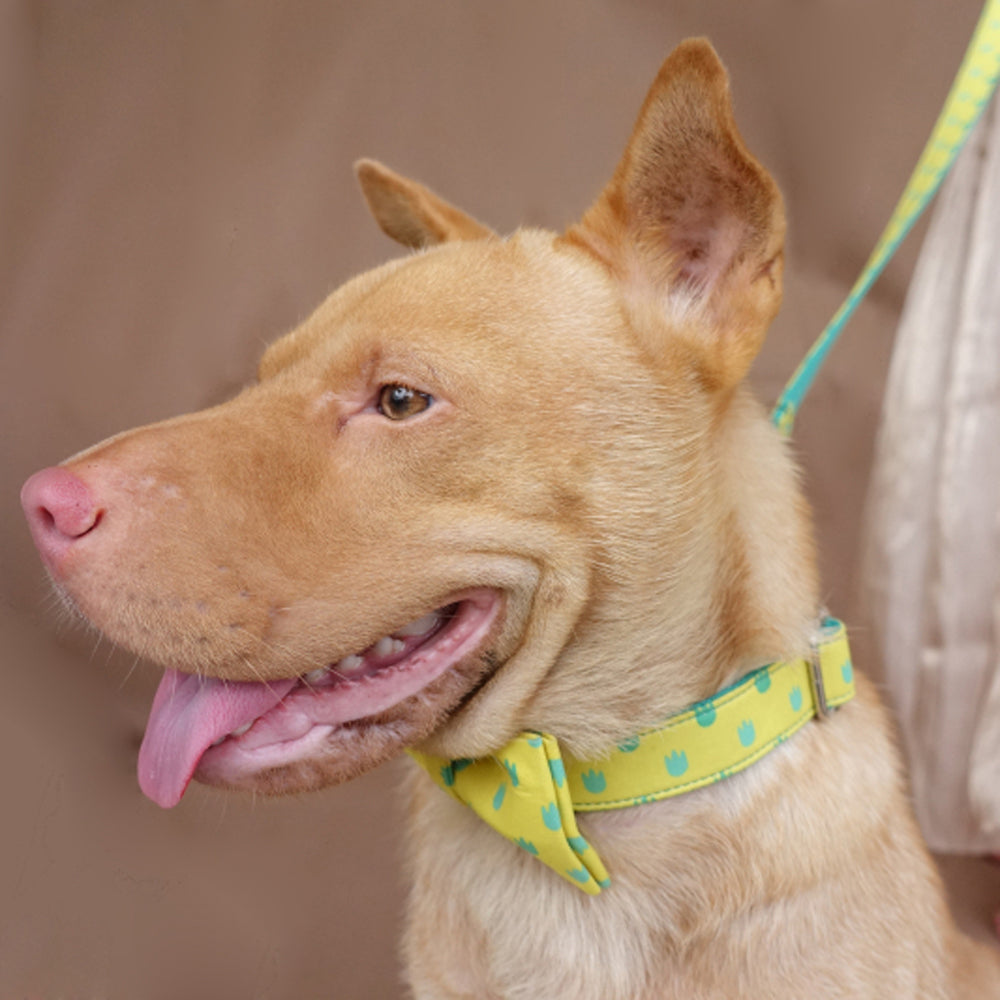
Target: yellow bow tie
530, 791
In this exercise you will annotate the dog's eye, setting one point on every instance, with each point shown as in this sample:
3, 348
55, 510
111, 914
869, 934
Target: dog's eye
397, 402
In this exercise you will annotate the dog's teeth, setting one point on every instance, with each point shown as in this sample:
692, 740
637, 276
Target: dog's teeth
420, 627
318, 675
221, 739
242, 729
384, 646
387, 646
350, 664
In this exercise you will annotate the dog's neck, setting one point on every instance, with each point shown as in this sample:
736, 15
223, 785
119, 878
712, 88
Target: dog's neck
531, 793
674, 630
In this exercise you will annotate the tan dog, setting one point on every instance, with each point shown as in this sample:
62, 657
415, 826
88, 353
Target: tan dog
510, 484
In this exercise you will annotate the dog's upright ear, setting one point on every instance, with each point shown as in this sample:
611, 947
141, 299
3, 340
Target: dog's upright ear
410, 213
691, 224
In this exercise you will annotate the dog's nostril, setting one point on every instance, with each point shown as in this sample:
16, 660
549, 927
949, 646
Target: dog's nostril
46, 517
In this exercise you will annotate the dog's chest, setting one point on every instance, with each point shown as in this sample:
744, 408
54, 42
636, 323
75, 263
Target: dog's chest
504, 925
697, 883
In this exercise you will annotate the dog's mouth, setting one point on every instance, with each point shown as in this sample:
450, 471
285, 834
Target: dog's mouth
225, 730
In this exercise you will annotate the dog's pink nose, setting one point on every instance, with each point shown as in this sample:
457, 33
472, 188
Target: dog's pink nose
60, 509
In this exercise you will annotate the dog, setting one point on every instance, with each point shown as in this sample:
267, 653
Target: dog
508, 486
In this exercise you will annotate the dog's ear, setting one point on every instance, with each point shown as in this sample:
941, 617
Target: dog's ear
690, 223
410, 213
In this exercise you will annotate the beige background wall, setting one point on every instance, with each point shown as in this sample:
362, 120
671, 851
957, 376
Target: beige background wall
175, 190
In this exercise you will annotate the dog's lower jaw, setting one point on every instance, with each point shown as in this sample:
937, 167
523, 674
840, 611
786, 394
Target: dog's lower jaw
324, 727
354, 748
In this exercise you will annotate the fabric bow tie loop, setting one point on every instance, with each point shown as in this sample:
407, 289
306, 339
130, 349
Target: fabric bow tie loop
524, 794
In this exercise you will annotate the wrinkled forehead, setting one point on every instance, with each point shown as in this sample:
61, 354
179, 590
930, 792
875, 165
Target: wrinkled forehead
465, 300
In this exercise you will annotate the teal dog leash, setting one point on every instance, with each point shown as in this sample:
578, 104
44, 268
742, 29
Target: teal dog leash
969, 95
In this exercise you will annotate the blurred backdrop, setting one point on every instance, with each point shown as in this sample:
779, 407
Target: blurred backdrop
176, 191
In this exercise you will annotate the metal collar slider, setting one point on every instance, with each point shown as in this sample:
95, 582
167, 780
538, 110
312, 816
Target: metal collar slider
826, 628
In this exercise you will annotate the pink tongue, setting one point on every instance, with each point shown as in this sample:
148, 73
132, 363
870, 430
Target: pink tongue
189, 714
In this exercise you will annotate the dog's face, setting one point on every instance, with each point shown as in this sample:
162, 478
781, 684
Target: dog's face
453, 475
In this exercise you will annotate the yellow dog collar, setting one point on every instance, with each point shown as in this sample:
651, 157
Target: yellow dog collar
530, 791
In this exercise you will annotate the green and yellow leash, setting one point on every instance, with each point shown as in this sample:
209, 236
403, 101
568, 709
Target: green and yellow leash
968, 97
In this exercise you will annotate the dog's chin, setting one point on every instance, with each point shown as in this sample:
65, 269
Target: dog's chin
328, 725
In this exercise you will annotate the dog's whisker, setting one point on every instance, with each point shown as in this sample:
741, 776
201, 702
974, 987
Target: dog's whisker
131, 670
221, 817
98, 639
253, 669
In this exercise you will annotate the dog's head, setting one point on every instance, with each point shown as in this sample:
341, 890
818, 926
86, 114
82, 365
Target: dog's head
462, 488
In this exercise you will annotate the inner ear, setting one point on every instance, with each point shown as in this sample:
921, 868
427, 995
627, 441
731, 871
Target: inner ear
410, 213
690, 218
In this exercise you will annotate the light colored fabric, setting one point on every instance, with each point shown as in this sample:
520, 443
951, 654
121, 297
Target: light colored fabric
932, 551
531, 791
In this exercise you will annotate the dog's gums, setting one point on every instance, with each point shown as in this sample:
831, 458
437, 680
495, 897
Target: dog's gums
226, 731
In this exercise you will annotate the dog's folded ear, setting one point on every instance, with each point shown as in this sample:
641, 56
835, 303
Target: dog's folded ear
410, 213
691, 225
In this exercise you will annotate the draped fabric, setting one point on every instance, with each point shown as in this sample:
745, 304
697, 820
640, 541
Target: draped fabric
932, 548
